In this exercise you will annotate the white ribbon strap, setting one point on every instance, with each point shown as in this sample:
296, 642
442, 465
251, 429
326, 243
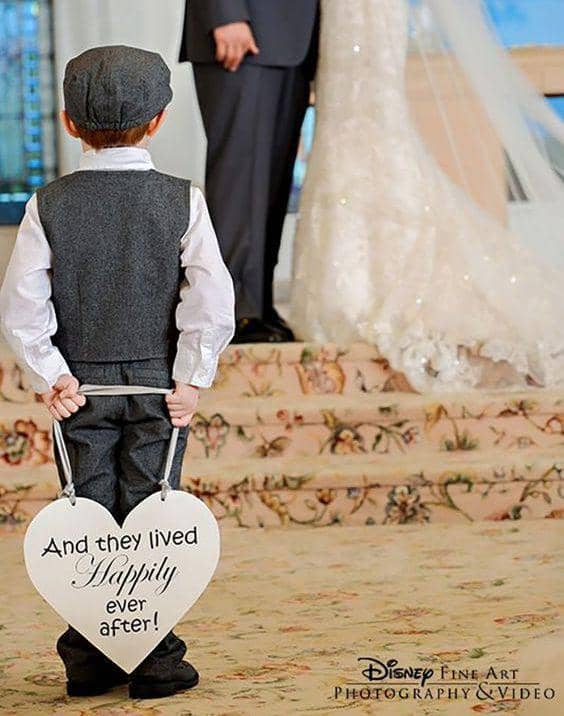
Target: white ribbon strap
68, 490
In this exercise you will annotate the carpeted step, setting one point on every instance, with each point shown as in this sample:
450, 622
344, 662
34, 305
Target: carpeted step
381, 489
267, 370
357, 489
305, 369
381, 423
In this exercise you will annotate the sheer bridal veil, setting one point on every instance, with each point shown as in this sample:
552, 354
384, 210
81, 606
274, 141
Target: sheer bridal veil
505, 145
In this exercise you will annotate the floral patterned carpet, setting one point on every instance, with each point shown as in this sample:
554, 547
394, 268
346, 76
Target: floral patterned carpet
290, 611
317, 435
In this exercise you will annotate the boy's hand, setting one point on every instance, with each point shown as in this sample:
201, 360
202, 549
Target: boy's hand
64, 399
232, 43
182, 404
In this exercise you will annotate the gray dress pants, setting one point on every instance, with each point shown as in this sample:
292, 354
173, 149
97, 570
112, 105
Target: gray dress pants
252, 119
117, 447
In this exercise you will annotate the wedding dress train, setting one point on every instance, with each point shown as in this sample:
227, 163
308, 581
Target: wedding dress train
389, 250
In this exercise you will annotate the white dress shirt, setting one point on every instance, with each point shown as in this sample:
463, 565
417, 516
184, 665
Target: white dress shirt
205, 312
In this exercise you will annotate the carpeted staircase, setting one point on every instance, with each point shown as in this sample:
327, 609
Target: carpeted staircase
298, 434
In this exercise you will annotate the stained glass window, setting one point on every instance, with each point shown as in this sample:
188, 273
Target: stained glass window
27, 109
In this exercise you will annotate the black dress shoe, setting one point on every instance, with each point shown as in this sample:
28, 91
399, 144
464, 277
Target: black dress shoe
274, 319
101, 685
255, 330
182, 678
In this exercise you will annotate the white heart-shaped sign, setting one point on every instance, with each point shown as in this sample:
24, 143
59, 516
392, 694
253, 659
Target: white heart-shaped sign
123, 588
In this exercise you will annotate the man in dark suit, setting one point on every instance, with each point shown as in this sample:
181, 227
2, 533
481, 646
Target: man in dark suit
253, 61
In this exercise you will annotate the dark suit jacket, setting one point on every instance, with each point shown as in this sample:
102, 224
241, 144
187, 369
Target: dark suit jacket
282, 29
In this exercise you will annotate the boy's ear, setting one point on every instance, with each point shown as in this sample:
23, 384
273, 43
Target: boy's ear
156, 123
68, 124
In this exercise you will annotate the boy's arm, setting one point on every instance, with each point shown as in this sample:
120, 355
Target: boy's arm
205, 315
27, 315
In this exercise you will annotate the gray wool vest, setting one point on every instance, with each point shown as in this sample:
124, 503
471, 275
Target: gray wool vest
115, 240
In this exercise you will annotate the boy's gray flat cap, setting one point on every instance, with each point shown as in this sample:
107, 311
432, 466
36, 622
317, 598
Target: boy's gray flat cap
116, 87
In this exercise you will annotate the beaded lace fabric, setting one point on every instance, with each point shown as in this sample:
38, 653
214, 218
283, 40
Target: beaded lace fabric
390, 250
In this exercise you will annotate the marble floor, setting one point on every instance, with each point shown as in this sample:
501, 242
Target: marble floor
281, 627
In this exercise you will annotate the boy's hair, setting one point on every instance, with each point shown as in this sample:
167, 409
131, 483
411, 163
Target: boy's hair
103, 138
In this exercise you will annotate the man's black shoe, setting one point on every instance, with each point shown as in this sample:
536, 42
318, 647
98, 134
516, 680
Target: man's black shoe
274, 319
255, 330
182, 678
101, 685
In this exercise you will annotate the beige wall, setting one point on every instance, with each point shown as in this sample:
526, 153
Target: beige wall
454, 126
544, 66
474, 158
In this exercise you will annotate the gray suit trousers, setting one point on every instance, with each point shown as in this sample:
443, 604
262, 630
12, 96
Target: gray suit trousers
252, 119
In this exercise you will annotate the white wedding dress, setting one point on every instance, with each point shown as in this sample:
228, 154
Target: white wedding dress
389, 250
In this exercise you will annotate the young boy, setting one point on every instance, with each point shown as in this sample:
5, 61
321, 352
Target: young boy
116, 278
